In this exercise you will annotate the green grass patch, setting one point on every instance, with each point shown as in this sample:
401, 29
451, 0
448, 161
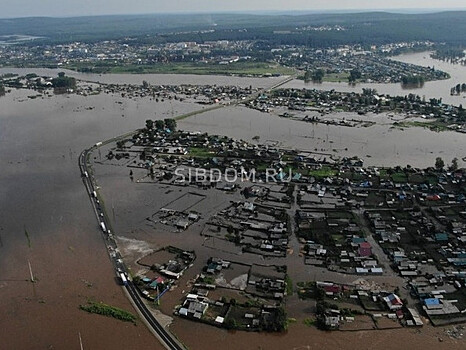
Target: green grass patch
262, 166
435, 125
399, 177
309, 322
336, 77
200, 152
383, 174
109, 311
338, 239
208, 280
323, 172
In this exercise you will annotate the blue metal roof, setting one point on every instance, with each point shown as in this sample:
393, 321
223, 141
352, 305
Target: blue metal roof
432, 301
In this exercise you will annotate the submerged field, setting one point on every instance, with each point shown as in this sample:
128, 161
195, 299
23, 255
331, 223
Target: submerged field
235, 68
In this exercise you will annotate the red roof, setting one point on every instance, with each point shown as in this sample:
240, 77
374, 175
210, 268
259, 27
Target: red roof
332, 289
394, 299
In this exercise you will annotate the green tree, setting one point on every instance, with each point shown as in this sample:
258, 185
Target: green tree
170, 124
277, 322
354, 75
64, 82
318, 75
369, 92
307, 76
439, 163
149, 124
454, 164
412, 80
159, 124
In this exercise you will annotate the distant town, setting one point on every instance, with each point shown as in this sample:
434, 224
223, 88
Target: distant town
348, 63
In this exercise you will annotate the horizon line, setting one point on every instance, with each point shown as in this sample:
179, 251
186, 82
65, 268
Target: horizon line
405, 10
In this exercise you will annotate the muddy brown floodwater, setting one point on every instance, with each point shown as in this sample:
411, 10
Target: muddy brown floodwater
41, 193
378, 145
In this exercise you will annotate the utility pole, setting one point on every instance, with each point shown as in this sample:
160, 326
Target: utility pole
30, 271
80, 341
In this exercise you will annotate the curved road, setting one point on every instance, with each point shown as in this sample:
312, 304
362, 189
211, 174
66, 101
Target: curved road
162, 334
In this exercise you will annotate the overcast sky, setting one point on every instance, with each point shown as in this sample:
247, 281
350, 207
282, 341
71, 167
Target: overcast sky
24, 8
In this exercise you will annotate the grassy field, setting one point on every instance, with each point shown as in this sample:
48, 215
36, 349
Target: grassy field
200, 152
323, 172
236, 68
336, 77
109, 311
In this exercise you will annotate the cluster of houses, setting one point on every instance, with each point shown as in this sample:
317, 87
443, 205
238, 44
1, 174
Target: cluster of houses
201, 94
178, 221
373, 65
162, 275
347, 218
375, 304
97, 56
336, 243
255, 228
442, 302
298, 102
252, 305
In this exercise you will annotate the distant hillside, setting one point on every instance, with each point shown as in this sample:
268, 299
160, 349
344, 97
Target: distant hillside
364, 28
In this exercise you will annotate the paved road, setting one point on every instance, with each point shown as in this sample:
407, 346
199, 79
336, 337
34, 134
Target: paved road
163, 335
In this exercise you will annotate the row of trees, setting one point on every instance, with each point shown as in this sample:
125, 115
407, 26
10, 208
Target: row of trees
64, 82
354, 75
448, 53
167, 123
440, 164
459, 88
316, 76
413, 80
